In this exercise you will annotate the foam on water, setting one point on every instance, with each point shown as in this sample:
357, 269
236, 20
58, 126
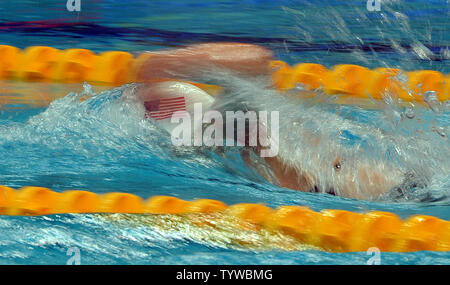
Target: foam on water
377, 149
101, 129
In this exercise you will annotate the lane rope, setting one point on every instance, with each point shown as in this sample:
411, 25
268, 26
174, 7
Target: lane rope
331, 230
43, 63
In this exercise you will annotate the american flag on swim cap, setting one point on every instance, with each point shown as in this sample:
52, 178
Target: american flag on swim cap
164, 108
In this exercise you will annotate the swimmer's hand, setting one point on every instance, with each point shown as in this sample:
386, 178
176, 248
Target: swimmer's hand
194, 61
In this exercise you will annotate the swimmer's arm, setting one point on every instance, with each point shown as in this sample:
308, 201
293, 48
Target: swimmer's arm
193, 61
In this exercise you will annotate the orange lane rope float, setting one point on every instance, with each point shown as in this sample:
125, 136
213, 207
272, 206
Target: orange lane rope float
331, 230
42, 63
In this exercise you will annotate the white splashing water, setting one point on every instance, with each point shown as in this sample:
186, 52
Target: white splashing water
402, 148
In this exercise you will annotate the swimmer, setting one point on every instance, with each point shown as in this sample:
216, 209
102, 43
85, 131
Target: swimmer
163, 74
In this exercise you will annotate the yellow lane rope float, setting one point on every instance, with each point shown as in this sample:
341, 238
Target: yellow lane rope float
42, 63
331, 230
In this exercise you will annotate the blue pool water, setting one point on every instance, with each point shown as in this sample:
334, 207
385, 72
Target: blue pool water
103, 145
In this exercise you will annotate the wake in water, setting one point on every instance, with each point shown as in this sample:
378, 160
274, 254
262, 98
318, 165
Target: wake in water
390, 149
397, 151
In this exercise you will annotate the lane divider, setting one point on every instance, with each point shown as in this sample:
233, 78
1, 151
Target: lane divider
42, 63
361, 82
331, 230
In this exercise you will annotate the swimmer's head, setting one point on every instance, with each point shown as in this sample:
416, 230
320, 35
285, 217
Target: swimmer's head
367, 180
356, 179
325, 168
